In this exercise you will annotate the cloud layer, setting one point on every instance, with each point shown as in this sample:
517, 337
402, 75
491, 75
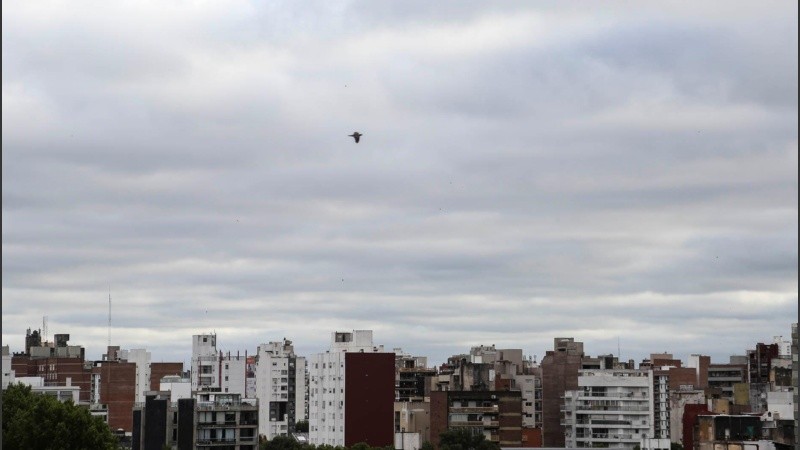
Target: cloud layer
526, 172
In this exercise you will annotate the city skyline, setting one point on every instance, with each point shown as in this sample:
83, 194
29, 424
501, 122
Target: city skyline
434, 361
615, 172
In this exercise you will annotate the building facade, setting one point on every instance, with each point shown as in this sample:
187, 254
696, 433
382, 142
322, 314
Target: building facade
351, 392
212, 420
212, 369
280, 388
610, 408
559, 374
497, 415
796, 391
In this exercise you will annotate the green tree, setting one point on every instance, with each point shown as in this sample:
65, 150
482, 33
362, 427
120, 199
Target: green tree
301, 427
675, 446
427, 446
33, 421
280, 443
464, 439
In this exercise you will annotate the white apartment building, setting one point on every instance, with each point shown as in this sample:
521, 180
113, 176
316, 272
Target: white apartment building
280, 386
178, 387
326, 406
210, 369
784, 346
612, 408
205, 361
62, 393
531, 388
141, 357
234, 372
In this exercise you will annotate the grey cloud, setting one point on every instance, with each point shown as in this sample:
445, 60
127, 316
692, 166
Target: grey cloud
513, 188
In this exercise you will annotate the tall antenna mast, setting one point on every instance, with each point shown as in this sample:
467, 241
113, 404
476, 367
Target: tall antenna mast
109, 315
618, 355
44, 329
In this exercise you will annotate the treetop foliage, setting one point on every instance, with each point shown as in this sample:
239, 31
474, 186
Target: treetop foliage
34, 421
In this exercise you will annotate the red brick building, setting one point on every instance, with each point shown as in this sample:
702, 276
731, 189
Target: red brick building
117, 391
559, 374
162, 369
55, 372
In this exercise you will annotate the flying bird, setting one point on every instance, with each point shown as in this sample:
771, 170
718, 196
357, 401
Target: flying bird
356, 135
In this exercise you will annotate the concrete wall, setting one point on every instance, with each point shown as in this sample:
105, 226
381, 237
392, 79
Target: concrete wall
141, 358
8, 374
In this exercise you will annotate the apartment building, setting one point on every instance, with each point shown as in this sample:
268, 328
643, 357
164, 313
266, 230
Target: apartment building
62, 393
668, 378
212, 369
796, 390
725, 377
211, 420
55, 362
114, 387
412, 377
679, 400
141, 358
205, 361
494, 414
560, 368
351, 392
759, 362
122, 379
412, 400
610, 408
280, 388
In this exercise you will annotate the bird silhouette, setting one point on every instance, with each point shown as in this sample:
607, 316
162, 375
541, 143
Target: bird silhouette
356, 135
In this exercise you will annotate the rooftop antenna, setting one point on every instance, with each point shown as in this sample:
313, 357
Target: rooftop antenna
618, 352
44, 329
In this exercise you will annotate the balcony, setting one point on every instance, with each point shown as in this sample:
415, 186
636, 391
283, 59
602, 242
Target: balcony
474, 410
604, 437
214, 424
467, 423
219, 406
215, 441
583, 409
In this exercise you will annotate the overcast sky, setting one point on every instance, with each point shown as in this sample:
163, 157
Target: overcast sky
601, 170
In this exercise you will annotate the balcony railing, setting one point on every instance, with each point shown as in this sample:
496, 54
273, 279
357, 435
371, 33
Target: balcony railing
611, 408
467, 423
221, 406
214, 441
213, 423
473, 409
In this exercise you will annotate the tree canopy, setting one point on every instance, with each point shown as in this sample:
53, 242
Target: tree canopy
34, 421
464, 439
